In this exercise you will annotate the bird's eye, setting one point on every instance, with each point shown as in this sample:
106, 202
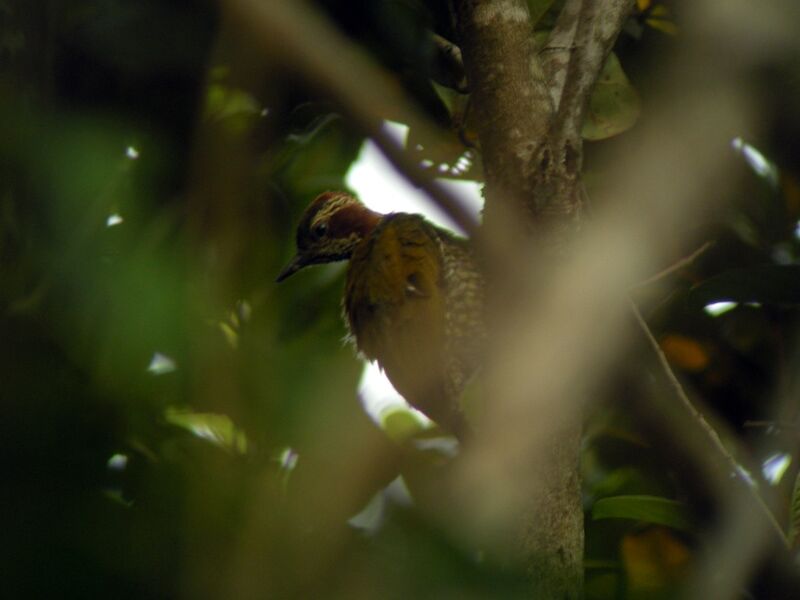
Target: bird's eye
320, 229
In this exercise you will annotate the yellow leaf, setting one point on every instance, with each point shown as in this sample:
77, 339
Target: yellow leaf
401, 424
685, 353
230, 334
653, 559
663, 26
214, 428
660, 19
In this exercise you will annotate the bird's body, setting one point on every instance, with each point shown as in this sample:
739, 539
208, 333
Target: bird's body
413, 298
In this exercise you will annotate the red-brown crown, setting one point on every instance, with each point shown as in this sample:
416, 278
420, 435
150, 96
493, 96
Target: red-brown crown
330, 229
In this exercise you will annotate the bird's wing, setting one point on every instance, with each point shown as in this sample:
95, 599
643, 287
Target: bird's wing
395, 304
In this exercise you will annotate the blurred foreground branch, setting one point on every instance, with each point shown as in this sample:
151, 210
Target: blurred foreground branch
364, 91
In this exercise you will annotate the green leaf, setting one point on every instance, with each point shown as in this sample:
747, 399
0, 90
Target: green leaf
214, 428
614, 105
651, 509
401, 424
768, 284
538, 8
234, 108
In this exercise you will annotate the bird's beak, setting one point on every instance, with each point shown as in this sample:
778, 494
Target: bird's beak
297, 263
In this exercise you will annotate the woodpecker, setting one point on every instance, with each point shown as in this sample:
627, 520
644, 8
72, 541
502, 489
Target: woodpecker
413, 298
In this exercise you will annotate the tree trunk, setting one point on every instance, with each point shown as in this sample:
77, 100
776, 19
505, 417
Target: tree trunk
529, 113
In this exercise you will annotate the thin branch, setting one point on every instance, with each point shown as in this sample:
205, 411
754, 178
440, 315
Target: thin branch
556, 54
364, 91
712, 434
510, 97
677, 266
408, 166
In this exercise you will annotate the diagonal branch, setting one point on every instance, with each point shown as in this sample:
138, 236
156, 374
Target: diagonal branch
673, 268
364, 91
592, 30
747, 527
698, 418
555, 55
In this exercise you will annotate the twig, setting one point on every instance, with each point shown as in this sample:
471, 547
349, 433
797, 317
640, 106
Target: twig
712, 434
683, 262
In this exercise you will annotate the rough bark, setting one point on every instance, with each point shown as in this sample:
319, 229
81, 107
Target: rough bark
530, 105
497, 45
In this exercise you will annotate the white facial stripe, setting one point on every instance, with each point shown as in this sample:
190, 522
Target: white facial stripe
331, 206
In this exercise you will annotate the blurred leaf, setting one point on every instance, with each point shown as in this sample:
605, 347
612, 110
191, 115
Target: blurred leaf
651, 509
653, 559
767, 284
214, 428
231, 335
619, 481
614, 105
660, 19
234, 108
317, 157
401, 424
685, 352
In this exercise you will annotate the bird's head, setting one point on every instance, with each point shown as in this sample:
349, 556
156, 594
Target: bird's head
330, 229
